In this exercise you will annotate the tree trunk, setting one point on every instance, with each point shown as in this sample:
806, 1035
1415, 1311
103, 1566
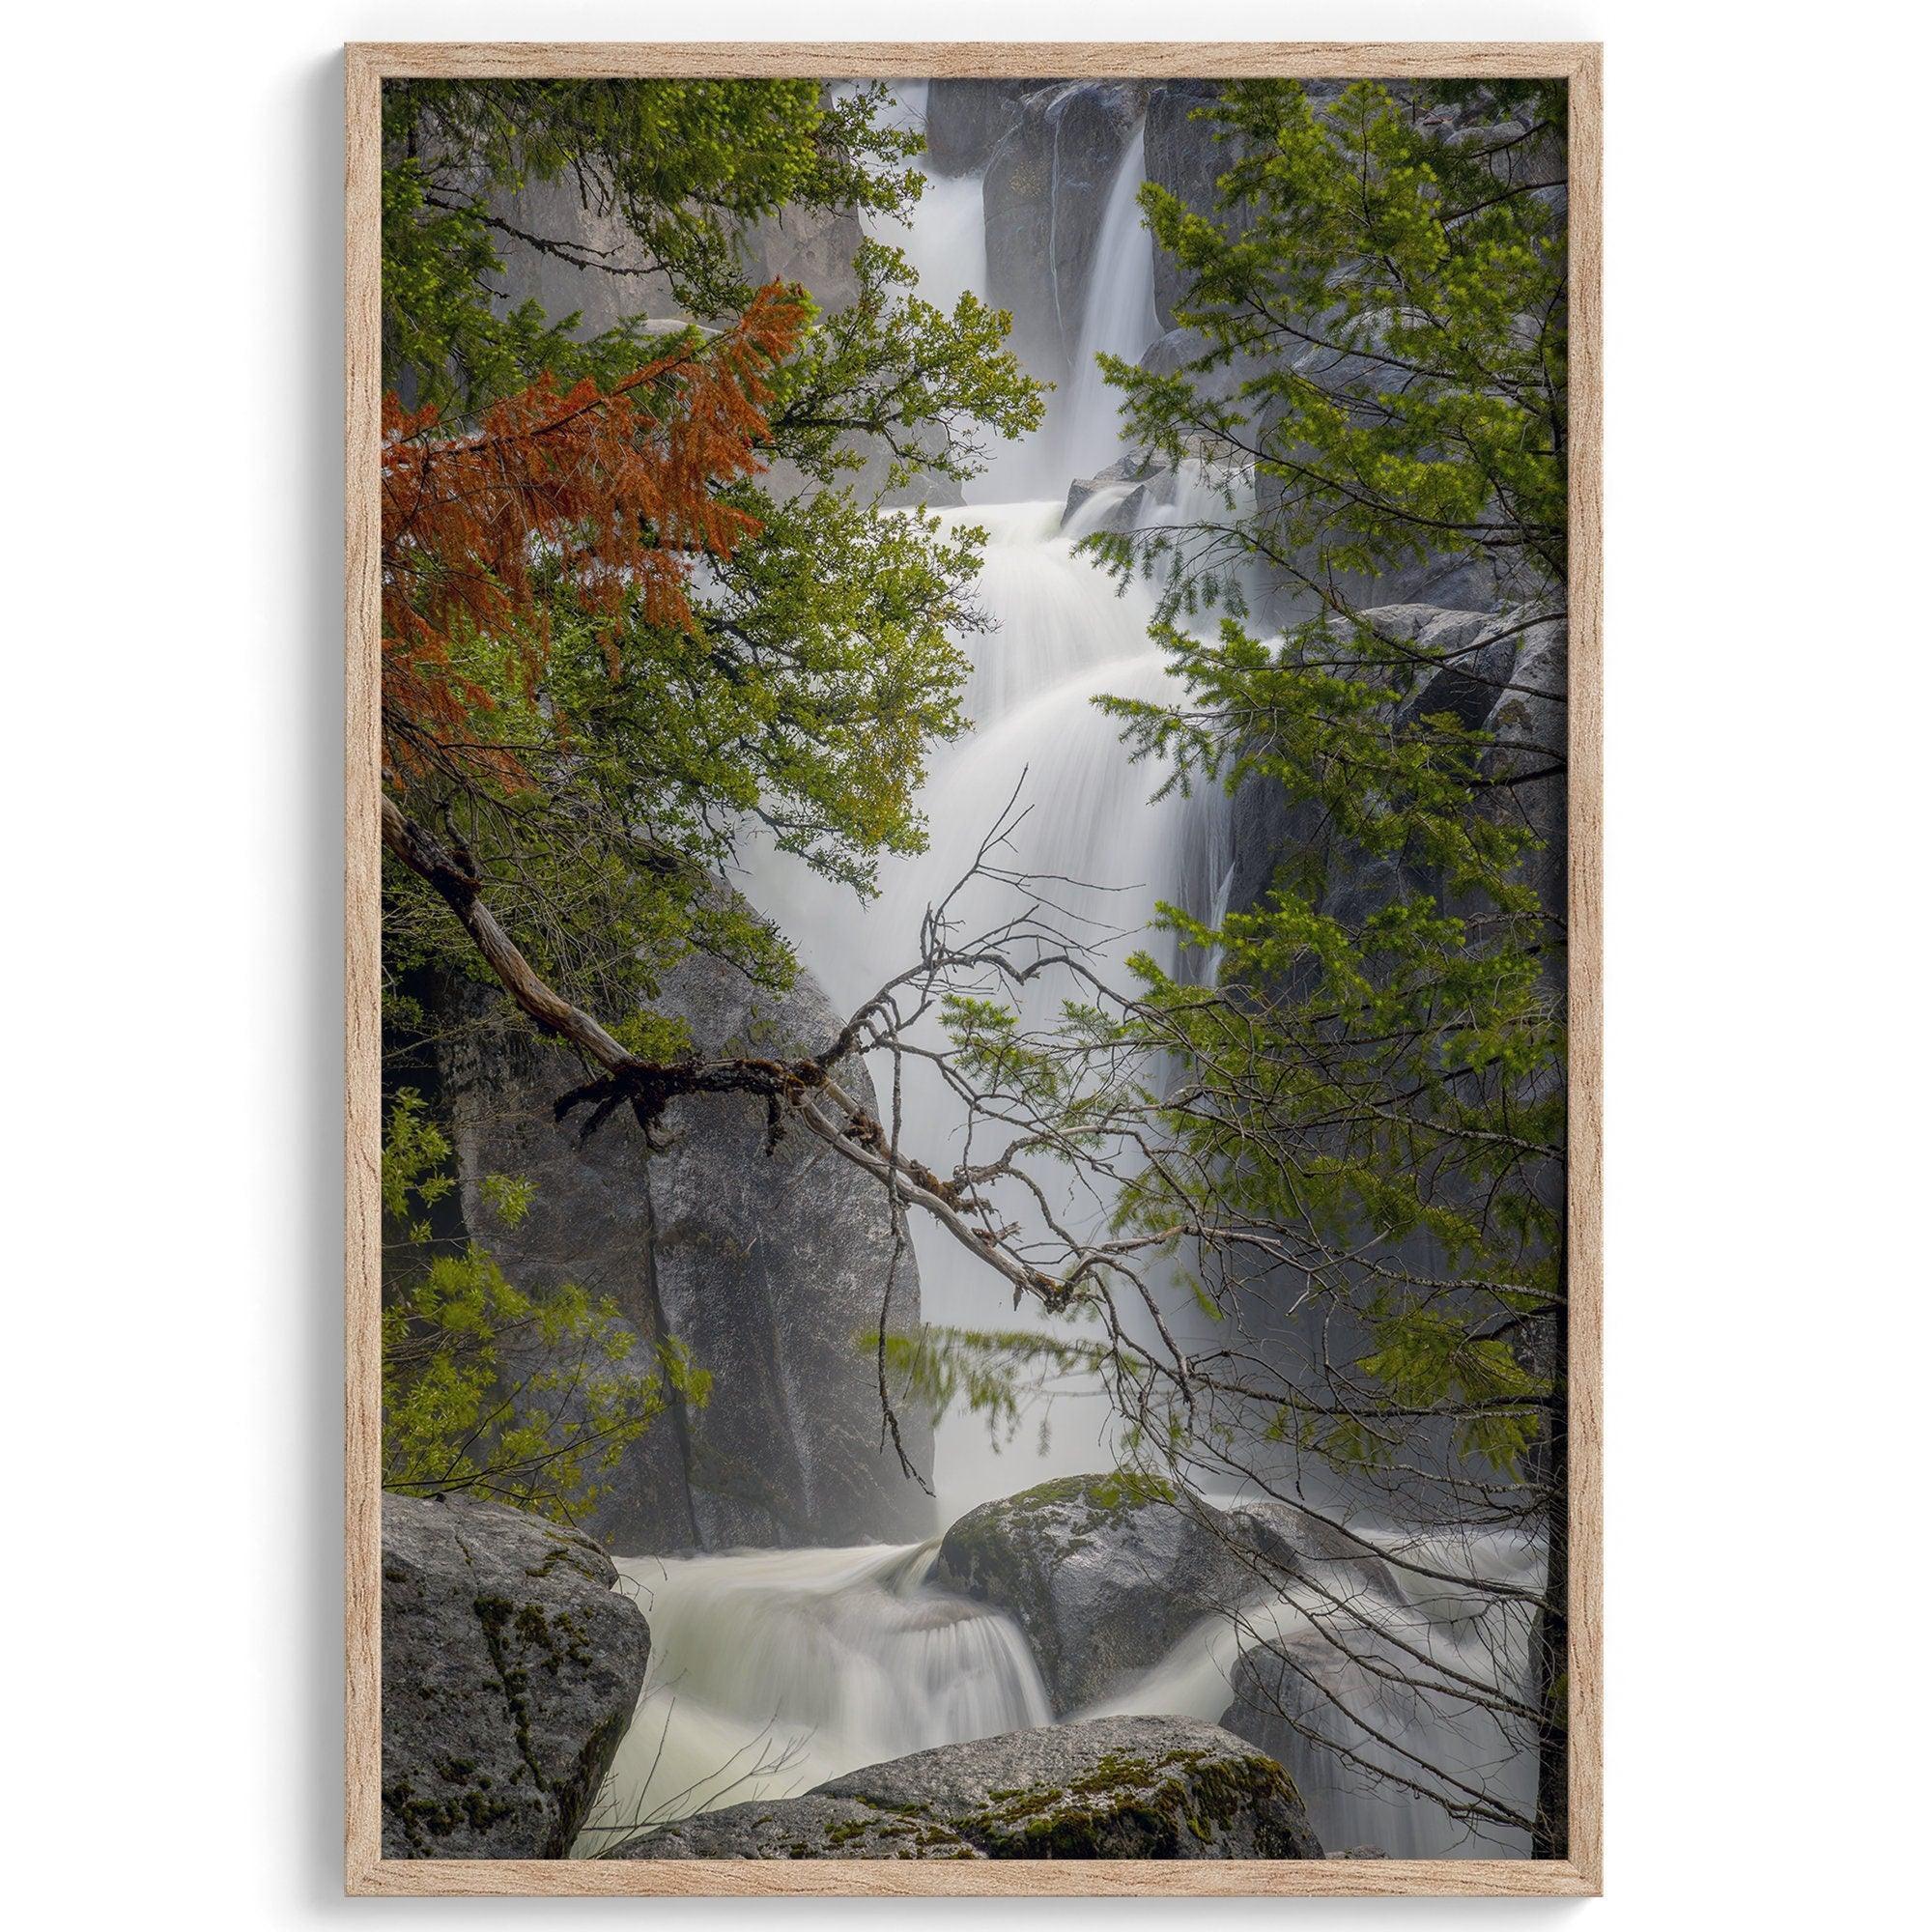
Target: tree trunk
1550, 1634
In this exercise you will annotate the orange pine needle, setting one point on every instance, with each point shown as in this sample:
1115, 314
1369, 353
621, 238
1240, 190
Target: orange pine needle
611, 490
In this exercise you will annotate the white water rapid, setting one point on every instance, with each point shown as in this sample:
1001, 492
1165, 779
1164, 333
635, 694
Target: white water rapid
772, 1671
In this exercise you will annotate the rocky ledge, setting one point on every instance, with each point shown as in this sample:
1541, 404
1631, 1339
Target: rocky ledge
1112, 1788
510, 1670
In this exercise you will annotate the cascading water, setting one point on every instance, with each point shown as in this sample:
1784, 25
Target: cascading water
1388, 1668
946, 241
1119, 320
772, 1671
1063, 638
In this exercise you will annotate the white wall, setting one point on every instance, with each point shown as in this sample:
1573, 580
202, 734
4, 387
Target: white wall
172, 1113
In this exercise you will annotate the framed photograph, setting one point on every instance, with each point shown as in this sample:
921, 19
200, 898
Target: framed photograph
974, 953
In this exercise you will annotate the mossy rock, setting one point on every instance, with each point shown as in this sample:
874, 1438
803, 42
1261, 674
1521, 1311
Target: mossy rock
1105, 1574
511, 1668
1110, 1788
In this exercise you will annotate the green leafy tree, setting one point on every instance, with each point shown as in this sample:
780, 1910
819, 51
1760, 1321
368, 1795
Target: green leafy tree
679, 167
1348, 1103
604, 755
1381, 300
1353, 1106
1380, 307
529, 1399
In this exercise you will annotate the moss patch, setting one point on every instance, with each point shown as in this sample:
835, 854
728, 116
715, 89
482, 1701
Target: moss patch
1127, 1804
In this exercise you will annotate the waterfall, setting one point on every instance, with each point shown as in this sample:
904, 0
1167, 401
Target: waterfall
1064, 636
772, 1671
946, 241
1119, 319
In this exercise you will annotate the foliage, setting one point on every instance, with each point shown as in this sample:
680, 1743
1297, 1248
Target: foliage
525, 1399
607, 496
892, 371
1381, 308
679, 167
1380, 303
998, 1376
643, 597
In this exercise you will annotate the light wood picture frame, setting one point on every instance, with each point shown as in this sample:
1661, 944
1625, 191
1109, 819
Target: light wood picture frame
367, 67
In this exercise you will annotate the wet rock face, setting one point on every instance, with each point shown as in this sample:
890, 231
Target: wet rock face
1114, 1787
1114, 500
1184, 157
510, 1670
812, 245
1183, 160
1046, 197
966, 120
1104, 1575
620, 284
768, 1264
590, 1223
